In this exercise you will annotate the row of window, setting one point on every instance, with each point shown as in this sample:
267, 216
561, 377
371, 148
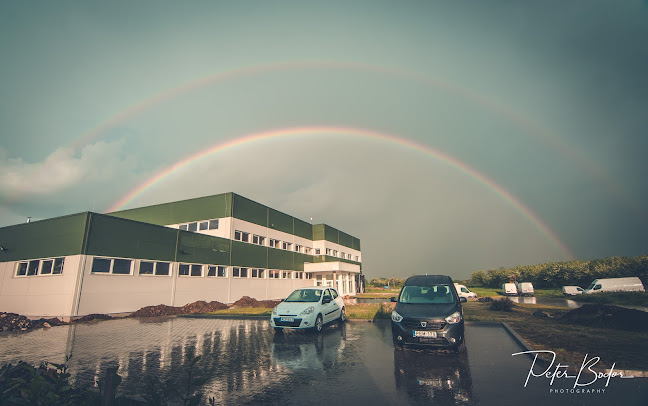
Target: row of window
259, 240
120, 266
35, 267
200, 225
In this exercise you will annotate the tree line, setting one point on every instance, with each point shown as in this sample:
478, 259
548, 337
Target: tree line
557, 274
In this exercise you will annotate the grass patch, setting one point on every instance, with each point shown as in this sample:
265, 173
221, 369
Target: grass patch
629, 350
369, 289
376, 295
369, 311
620, 298
243, 311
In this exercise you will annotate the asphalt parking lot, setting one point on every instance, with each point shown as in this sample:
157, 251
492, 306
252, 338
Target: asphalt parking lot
247, 363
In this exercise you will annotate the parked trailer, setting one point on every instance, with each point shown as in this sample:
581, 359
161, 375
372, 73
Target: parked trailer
632, 284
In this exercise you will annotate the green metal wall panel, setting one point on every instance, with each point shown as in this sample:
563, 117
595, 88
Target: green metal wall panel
116, 237
280, 259
203, 249
303, 229
318, 232
248, 210
345, 239
202, 208
249, 255
280, 221
356, 244
55, 237
300, 259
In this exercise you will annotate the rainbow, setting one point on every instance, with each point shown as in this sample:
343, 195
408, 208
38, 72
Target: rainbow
531, 127
355, 132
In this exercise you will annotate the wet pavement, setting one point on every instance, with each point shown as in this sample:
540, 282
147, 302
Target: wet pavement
247, 363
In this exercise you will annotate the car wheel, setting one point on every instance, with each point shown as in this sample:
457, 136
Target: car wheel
319, 323
342, 315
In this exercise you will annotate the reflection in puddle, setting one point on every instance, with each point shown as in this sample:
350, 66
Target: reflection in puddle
440, 377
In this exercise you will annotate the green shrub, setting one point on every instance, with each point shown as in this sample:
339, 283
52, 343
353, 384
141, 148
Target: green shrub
502, 305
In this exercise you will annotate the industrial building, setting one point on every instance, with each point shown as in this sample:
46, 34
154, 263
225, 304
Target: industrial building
219, 247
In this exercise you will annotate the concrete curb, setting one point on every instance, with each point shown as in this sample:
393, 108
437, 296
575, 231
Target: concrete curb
572, 368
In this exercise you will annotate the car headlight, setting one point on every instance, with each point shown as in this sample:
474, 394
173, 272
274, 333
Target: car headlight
307, 311
454, 318
274, 311
397, 317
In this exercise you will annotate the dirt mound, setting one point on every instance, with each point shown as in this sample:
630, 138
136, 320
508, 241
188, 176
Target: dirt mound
599, 315
93, 316
247, 301
163, 310
485, 299
158, 310
202, 307
13, 321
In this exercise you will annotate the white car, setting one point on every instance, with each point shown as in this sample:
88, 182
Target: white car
308, 308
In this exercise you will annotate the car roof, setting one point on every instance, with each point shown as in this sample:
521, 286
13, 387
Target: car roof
426, 280
314, 287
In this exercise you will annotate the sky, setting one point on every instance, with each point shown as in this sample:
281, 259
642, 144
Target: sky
449, 137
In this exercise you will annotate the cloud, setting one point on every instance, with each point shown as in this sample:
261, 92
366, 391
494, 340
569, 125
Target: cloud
62, 170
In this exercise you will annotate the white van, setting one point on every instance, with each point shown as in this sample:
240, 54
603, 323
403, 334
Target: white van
632, 284
509, 289
525, 288
572, 290
463, 291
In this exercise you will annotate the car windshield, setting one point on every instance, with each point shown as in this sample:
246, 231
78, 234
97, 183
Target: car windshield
440, 294
591, 286
305, 295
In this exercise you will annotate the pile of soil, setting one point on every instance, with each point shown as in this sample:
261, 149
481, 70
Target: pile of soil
13, 321
163, 310
202, 307
247, 301
485, 299
93, 316
608, 316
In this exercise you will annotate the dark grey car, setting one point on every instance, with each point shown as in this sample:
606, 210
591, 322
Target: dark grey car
428, 314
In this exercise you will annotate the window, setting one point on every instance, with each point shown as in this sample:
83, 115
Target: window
213, 224
328, 251
286, 245
257, 239
115, 266
308, 250
298, 248
192, 227
218, 271
334, 293
274, 274
183, 227
286, 275
241, 236
190, 270
257, 273
342, 255
154, 268
22, 269
317, 251
239, 272
274, 243
357, 258
33, 267
46, 267
335, 253
299, 275
204, 225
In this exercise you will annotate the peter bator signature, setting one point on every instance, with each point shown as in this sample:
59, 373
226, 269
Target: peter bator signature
560, 371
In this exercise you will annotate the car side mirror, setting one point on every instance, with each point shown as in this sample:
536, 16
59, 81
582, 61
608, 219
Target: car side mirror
462, 299
283, 300
326, 300
392, 299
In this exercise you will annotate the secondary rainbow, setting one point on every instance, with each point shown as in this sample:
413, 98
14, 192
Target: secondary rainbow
355, 132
